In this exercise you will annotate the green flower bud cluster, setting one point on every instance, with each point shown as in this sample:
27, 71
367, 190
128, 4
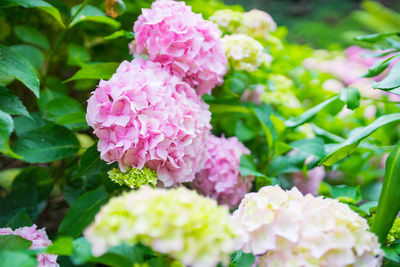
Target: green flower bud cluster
133, 177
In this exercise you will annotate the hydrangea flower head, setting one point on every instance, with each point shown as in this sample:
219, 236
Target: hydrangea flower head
227, 19
133, 177
289, 229
220, 178
144, 116
39, 240
244, 52
188, 227
183, 42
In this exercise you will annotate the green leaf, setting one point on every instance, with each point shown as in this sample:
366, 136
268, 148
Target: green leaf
391, 254
14, 65
11, 104
14, 242
30, 53
47, 143
20, 219
246, 260
31, 35
373, 38
91, 163
309, 114
25, 124
263, 114
16, 258
6, 128
346, 194
95, 71
62, 246
350, 96
120, 33
77, 55
46, 7
92, 13
391, 81
378, 67
314, 146
389, 200
66, 111
88, 204
247, 167
345, 148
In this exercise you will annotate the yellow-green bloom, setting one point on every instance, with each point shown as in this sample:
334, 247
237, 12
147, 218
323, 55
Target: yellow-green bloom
394, 232
178, 222
133, 177
279, 92
244, 52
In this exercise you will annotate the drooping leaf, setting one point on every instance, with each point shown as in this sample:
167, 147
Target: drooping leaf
11, 104
16, 66
47, 143
314, 146
345, 148
16, 258
95, 71
389, 200
309, 114
6, 128
31, 35
14, 242
391, 81
43, 5
350, 96
92, 13
88, 204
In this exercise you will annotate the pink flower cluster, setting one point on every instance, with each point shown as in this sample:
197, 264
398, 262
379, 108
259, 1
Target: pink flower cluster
220, 178
183, 42
144, 116
39, 240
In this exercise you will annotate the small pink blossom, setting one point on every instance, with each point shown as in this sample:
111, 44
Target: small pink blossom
220, 178
144, 116
39, 240
183, 42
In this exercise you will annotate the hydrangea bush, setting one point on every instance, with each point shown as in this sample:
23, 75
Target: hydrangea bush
170, 133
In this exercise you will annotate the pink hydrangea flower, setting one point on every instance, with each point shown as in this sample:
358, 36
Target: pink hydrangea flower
39, 240
220, 178
144, 116
183, 42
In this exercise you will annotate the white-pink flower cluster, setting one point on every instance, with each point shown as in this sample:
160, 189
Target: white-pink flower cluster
220, 178
145, 116
39, 240
286, 228
183, 42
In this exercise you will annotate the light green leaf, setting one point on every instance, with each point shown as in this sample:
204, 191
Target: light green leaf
350, 96
373, 38
43, 5
120, 33
6, 128
309, 114
30, 53
314, 146
347, 194
47, 143
31, 35
88, 204
391, 81
95, 71
16, 258
14, 65
14, 242
62, 246
92, 13
11, 104
345, 148
389, 200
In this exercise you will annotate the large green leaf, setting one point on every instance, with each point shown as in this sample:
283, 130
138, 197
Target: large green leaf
11, 104
389, 200
309, 114
31, 35
43, 5
13, 242
16, 66
66, 111
6, 128
16, 258
95, 71
47, 143
62, 246
88, 204
30, 53
92, 13
314, 146
345, 148
391, 81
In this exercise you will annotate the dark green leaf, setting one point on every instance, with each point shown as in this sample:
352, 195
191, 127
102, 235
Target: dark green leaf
31, 35
309, 114
11, 104
350, 96
65, 111
19, 220
95, 71
373, 38
6, 128
88, 204
14, 242
16, 258
247, 167
389, 200
62, 246
314, 146
36, 178
77, 55
345, 148
391, 81
91, 163
24, 124
46, 7
47, 143
92, 13
30, 53
14, 65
